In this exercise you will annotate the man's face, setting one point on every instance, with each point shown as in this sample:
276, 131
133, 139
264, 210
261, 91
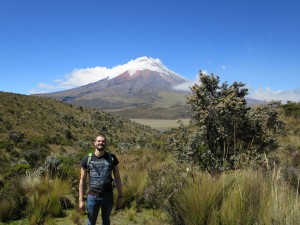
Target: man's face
100, 143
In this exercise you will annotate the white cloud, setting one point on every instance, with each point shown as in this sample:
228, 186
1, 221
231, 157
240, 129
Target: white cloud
184, 86
79, 77
47, 86
76, 78
204, 72
34, 91
280, 95
187, 85
266, 94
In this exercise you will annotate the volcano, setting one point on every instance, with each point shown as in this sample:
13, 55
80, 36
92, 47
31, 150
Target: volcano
142, 88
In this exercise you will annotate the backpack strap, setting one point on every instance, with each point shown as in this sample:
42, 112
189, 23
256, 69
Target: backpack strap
111, 159
89, 161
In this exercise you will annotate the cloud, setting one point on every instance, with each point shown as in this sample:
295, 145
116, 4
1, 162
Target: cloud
280, 95
34, 91
266, 94
47, 86
187, 85
81, 77
76, 78
184, 86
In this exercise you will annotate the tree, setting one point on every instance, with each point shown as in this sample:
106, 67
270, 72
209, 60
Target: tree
226, 128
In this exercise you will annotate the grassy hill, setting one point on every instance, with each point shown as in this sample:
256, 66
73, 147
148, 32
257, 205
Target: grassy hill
43, 140
40, 116
35, 124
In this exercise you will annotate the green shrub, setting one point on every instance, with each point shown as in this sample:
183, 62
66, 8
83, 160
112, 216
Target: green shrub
67, 168
17, 170
16, 136
6, 144
226, 127
35, 156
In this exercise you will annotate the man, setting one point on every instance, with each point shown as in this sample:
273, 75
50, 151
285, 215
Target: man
100, 195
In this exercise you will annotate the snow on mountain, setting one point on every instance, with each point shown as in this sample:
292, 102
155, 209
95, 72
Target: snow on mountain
142, 63
80, 77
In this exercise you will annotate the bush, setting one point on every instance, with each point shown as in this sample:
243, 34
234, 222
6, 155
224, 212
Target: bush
67, 168
16, 136
16, 170
35, 156
8, 145
225, 127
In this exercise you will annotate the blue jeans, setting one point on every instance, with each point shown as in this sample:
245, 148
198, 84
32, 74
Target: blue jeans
94, 203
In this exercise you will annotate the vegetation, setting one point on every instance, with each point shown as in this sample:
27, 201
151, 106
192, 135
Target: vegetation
47, 139
227, 133
231, 165
236, 197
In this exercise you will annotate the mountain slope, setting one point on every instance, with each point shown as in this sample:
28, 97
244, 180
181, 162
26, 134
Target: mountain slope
41, 117
142, 83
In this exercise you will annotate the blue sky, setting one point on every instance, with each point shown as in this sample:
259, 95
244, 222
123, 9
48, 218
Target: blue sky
43, 42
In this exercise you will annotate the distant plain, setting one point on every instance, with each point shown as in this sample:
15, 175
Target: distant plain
161, 124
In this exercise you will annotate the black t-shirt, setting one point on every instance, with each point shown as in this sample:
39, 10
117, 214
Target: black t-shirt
100, 172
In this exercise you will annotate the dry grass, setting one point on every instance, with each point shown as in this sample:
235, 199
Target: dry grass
238, 197
47, 197
7, 206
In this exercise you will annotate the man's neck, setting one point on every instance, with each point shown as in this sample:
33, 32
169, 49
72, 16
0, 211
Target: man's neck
99, 153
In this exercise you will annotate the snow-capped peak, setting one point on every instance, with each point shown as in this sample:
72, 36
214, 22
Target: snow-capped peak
80, 77
141, 63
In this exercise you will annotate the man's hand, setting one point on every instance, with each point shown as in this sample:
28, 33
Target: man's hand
119, 202
81, 205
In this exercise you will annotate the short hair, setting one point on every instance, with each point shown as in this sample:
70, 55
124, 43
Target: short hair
100, 135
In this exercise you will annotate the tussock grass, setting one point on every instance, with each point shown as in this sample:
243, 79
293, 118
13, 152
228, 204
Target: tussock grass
131, 212
75, 216
134, 184
243, 197
149, 177
237, 197
7, 207
47, 197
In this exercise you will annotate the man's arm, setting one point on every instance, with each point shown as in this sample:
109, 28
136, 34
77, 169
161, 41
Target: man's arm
118, 185
83, 173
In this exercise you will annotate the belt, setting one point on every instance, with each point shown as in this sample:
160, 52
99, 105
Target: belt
94, 194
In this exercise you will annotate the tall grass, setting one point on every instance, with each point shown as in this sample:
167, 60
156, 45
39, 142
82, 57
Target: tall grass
149, 177
237, 197
7, 207
46, 197
134, 184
